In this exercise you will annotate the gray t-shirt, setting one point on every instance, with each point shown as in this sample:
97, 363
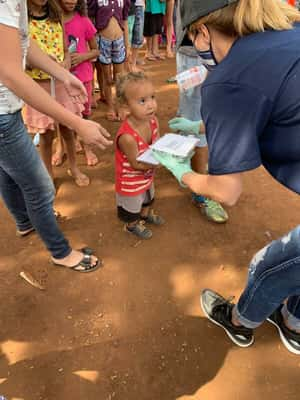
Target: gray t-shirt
13, 13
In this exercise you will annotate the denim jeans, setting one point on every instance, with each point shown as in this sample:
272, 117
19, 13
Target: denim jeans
136, 27
26, 187
190, 100
274, 276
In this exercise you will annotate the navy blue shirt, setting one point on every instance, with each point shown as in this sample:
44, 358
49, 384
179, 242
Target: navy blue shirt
251, 107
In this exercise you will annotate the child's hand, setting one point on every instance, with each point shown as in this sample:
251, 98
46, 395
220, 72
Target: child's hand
76, 59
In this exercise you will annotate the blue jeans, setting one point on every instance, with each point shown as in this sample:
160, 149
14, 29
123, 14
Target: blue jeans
274, 276
190, 100
26, 187
136, 28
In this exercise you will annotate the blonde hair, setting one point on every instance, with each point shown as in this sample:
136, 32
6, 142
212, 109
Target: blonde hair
125, 80
250, 16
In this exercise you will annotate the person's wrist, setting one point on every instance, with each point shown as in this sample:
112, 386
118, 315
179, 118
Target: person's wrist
186, 176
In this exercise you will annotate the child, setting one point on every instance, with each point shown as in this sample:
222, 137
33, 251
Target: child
111, 23
46, 29
155, 10
81, 39
135, 31
134, 179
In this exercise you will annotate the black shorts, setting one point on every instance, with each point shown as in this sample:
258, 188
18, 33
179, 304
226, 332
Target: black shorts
153, 24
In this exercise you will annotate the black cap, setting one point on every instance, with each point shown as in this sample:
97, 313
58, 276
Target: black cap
192, 10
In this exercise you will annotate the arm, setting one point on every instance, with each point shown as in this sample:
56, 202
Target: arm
78, 58
38, 59
16, 80
67, 59
129, 147
126, 37
223, 188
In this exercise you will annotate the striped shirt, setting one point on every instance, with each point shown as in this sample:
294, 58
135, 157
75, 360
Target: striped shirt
129, 181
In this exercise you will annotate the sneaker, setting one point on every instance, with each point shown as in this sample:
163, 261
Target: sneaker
154, 219
139, 230
211, 209
289, 338
219, 311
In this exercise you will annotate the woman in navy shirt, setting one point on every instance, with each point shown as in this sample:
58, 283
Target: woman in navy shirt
251, 111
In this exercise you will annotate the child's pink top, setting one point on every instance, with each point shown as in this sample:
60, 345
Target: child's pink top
79, 30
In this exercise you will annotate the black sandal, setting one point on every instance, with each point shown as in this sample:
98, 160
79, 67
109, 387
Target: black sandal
85, 264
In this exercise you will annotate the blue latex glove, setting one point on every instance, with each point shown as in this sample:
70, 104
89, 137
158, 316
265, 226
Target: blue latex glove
180, 124
177, 166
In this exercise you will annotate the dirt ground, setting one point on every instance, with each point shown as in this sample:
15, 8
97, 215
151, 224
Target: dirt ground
134, 329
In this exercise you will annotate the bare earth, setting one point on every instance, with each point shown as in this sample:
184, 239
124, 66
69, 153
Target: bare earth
134, 330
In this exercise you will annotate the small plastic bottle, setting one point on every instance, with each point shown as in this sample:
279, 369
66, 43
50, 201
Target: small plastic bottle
192, 77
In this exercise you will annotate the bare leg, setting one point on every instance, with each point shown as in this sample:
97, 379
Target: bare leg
155, 48
111, 113
100, 79
199, 160
145, 212
170, 28
134, 56
80, 178
46, 141
58, 156
149, 44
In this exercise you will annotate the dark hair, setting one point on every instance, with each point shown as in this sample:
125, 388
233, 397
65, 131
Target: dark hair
52, 9
81, 8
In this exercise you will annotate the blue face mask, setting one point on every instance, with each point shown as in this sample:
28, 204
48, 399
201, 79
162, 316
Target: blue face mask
208, 58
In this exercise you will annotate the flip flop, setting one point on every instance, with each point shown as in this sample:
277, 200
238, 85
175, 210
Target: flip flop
84, 265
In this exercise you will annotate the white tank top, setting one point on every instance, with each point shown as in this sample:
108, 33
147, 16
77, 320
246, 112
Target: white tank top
13, 13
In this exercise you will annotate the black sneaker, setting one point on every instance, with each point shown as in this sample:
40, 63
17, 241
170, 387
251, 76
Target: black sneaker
289, 338
219, 311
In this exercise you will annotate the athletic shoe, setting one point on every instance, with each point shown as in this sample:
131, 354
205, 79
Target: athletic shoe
139, 230
289, 338
211, 209
154, 219
219, 311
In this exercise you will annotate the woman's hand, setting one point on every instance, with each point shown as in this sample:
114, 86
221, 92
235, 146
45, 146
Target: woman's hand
178, 167
93, 134
184, 125
75, 88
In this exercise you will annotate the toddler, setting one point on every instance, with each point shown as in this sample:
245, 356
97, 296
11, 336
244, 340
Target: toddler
134, 179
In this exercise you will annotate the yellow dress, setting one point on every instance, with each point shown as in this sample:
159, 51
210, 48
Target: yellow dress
49, 37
